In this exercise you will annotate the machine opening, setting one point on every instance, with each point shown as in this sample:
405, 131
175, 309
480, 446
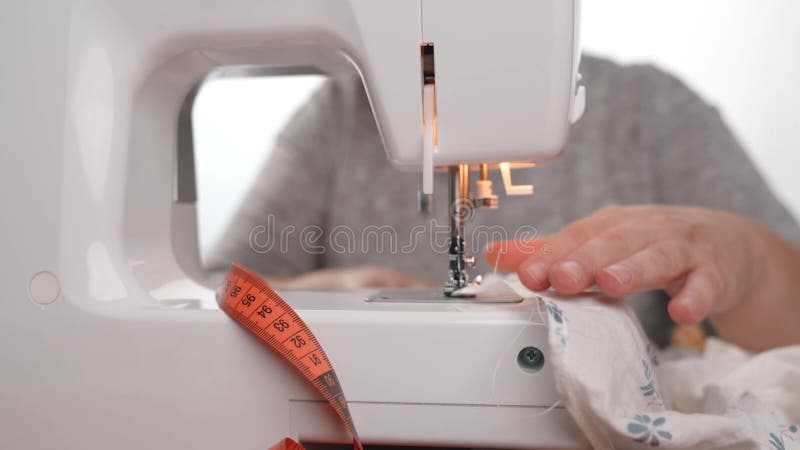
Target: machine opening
236, 122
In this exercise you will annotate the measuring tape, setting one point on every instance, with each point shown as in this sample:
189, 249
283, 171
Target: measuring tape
249, 301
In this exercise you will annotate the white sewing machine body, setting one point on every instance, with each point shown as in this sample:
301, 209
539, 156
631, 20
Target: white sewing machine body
103, 340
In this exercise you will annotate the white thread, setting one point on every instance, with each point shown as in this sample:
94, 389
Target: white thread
541, 413
497, 261
539, 301
528, 321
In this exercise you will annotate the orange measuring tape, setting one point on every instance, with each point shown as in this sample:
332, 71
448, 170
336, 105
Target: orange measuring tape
248, 300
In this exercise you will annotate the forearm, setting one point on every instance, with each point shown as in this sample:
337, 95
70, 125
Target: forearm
358, 277
769, 316
279, 282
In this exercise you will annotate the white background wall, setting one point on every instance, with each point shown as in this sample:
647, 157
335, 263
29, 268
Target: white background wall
741, 55
235, 121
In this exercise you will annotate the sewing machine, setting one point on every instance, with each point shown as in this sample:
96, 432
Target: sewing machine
107, 336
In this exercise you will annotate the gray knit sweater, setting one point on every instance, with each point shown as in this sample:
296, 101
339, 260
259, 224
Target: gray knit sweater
328, 196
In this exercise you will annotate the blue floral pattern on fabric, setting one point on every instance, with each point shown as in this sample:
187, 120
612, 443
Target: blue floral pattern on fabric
651, 352
557, 314
649, 388
645, 430
778, 441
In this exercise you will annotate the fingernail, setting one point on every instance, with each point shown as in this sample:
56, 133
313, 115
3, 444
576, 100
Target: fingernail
537, 271
622, 273
692, 307
573, 270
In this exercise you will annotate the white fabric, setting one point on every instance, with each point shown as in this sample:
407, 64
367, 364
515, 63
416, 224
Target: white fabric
622, 396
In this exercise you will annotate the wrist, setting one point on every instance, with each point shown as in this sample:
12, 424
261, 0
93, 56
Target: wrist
762, 316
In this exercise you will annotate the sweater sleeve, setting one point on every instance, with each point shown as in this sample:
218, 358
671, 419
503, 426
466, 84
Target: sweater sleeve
697, 161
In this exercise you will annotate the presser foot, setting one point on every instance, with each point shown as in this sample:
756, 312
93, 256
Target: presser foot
458, 278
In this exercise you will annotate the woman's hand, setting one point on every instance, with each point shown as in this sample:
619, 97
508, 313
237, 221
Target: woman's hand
360, 277
711, 263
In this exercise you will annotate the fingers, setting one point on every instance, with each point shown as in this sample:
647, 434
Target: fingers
317, 279
577, 271
532, 259
382, 277
533, 271
668, 265
623, 250
654, 267
673, 287
508, 255
693, 303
